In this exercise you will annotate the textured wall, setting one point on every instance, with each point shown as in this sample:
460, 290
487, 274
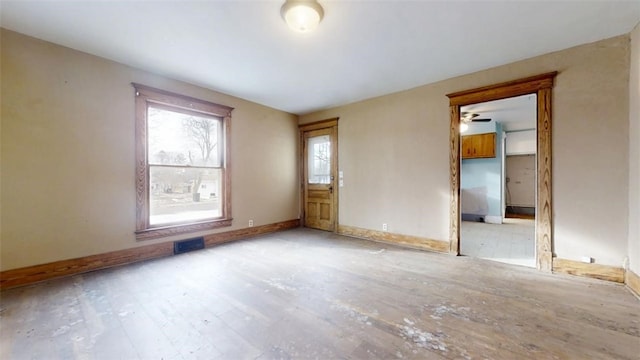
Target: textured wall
394, 152
68, 154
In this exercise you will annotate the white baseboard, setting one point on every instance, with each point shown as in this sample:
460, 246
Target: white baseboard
493, 219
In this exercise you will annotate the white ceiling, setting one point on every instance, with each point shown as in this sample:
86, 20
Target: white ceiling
516, 113
362, 49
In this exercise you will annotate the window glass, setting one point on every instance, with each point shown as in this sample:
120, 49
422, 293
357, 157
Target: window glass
319, 162
183, 194
183, 139
182, 178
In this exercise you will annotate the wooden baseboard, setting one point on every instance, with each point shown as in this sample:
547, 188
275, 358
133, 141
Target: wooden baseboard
227, 236
632, 280
31, 274
596, 271
396, 239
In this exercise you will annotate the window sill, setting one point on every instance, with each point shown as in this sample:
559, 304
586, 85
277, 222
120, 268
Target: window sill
164, 231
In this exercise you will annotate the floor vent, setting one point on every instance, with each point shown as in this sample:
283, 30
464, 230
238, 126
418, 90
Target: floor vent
184, 246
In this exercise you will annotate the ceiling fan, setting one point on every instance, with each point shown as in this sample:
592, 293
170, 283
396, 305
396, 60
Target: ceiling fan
468, 117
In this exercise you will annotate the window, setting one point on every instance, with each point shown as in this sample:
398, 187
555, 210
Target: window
319, 159
182, 169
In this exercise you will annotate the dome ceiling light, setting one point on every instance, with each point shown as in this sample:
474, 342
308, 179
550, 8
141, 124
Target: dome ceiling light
302, 15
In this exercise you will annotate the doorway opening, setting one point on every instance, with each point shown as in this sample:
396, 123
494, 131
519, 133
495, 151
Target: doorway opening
497, 180
541, 85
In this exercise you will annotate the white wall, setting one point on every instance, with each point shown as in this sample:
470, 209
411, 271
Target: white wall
480, 128
481, 179
521, 142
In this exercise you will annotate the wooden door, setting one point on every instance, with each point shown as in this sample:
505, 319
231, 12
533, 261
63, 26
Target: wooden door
521, 180
319, 168
467, 147
486, 145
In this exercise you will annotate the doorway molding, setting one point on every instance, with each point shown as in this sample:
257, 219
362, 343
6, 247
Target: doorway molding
542, 86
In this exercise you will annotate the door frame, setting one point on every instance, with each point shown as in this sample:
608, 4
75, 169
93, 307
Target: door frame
542, 86
317, 125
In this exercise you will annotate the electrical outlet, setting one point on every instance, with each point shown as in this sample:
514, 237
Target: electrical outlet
250, 223
384, 227
586, 259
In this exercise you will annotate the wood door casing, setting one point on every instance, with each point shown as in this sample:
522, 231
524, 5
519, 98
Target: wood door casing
541, 85
319, 198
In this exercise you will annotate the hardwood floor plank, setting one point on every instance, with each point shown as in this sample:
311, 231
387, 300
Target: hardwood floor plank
305, 294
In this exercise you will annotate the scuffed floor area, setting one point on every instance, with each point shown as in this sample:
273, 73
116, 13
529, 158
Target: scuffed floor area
305, 294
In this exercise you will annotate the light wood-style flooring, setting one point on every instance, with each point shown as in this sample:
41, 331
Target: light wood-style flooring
306, 294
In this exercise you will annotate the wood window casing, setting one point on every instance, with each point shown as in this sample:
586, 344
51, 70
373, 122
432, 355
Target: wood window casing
148, 96
542, 86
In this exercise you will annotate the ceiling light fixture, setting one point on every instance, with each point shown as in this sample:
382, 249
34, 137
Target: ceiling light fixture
302, 15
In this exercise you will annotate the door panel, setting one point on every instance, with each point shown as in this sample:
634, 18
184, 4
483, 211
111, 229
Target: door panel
521, 180
319, 173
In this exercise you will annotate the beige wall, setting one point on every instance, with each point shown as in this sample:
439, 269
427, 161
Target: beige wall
68, 154
634, 152
394, 152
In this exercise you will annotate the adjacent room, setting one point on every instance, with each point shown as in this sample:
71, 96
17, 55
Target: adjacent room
311, 179
498, 180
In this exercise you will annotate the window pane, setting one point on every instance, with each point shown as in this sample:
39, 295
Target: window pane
183, 139
319, 168
184, 194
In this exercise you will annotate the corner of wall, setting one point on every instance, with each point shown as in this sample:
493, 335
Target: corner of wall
634, 152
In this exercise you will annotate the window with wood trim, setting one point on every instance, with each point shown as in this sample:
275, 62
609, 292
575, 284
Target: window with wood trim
182, 164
